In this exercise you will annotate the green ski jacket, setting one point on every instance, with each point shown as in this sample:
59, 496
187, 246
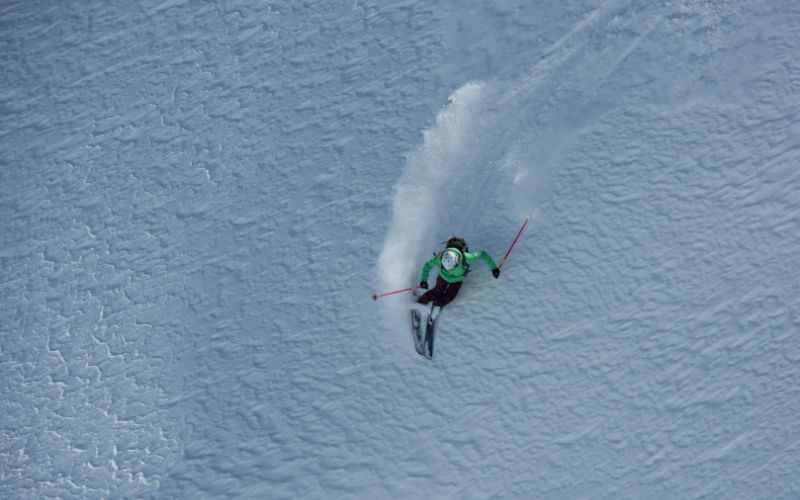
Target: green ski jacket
456, 274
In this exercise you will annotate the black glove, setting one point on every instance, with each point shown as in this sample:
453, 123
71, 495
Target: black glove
423, 284
496, 272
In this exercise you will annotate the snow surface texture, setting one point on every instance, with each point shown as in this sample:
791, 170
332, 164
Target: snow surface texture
198, 199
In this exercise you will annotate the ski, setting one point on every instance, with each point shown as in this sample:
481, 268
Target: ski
430, 332
416, 331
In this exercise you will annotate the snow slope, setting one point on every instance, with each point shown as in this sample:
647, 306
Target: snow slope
199, 198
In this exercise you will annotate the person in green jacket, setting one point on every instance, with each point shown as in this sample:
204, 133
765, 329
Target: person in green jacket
454, 262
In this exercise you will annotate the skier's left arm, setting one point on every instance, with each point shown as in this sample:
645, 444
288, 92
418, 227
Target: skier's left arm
486, 259
426, 269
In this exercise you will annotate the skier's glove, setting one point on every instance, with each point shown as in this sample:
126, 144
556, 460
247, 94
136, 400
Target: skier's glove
423, 284
496, 272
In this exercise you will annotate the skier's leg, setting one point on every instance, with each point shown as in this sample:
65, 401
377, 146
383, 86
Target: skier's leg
433, 315
434, 292
448, 294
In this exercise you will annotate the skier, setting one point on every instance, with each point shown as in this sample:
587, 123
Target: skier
454, 262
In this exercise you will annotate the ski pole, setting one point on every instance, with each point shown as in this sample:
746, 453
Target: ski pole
376, 296
514, 242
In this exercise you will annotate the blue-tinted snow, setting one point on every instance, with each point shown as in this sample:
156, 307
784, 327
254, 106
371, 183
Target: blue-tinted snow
198, 198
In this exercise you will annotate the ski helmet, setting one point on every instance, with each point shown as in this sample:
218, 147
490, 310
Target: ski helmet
450, 260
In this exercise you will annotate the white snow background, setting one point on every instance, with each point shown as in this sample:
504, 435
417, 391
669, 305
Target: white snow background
197, 200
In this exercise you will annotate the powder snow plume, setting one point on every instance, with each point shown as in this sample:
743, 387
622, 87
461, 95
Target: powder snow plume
426, 187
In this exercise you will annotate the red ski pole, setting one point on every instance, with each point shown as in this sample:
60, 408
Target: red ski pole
376, 296
514, 242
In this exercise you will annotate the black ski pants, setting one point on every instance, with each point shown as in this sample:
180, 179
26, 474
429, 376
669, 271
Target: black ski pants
442, 294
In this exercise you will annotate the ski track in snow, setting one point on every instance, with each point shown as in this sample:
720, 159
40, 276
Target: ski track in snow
194, 199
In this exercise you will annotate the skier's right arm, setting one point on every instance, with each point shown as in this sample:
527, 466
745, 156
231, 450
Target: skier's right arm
426, 269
